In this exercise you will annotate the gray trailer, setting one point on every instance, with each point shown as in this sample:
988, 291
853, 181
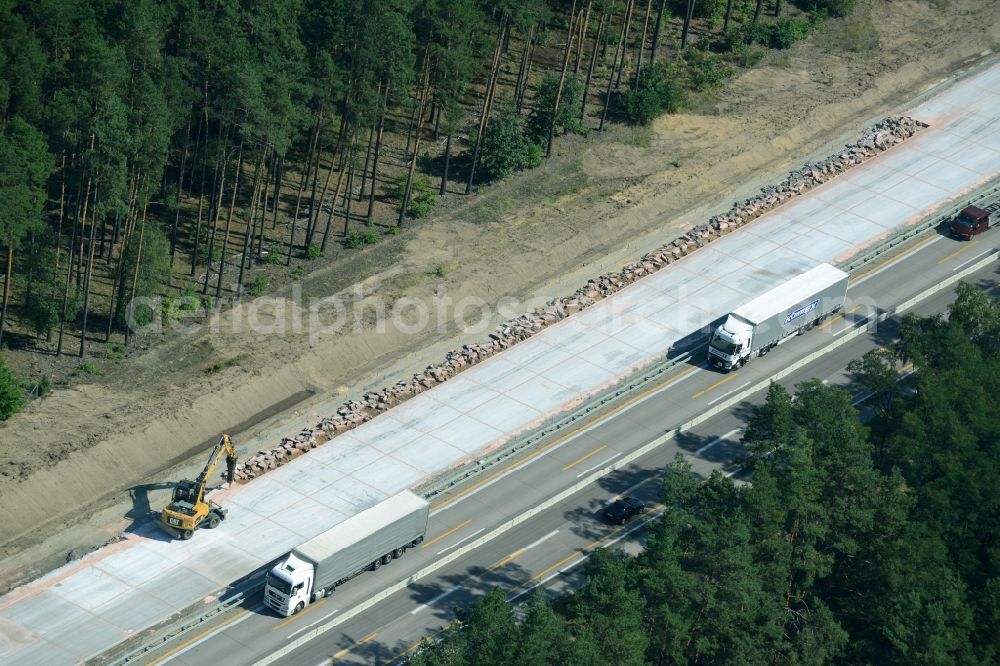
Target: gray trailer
798, 304
364, 541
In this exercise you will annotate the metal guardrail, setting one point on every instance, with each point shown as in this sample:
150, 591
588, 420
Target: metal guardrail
984, 198
186, 626
605, 400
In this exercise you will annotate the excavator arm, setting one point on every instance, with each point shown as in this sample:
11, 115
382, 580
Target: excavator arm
225, 446
188, 510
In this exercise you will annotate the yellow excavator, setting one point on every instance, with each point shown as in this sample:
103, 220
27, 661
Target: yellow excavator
188, 509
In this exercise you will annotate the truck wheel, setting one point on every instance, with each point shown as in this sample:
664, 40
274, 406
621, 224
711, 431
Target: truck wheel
376, 564
387, 558
398, 553
186, 534
213, 521
298, 607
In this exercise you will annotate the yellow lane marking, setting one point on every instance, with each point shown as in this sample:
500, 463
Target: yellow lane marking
964, 248
446, 534
716, 385
507, 559
347, 650
539, 451
838, 317
914, 248
199, 637
295, 617
585, 456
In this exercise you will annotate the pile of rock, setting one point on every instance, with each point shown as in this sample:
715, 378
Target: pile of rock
882, 136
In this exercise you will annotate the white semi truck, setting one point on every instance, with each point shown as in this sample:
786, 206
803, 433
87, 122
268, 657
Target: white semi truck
797, 305
364, 541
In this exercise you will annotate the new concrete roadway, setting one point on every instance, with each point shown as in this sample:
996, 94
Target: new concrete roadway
547, 548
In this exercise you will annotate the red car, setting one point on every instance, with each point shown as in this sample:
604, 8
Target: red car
971, 221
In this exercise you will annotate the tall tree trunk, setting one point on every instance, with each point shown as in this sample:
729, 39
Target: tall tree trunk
658, 28
378, 152
6, 288
642, 42
336, 194
135, 270
447, 160
687, 23
611, 77
337, 148
313, 140
494, 72
348, 198
69, 279
522, 69
368, 159
266, 186
201, 208
229, 219
315, 186
424, 87
215, 217
180, 187
562, 80
582, 38
777, 8
593, 62
91, 242
251, 221
629, 10
753, 22
62, 208
83, 220
276, 200
729, 13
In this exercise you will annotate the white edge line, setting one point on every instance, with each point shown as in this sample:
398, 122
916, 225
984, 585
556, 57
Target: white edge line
460, 541
603, 462
313, 624
622, 462
717, 440
538, 541
969, 261
434, 600
212, 634
717, 399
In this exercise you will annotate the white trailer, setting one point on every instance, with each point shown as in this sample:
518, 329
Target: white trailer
798, 304
364, 541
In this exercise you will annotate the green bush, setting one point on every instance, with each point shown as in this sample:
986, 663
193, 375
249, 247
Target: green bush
370, 237
313, 252
657, 91
11, 396
707, 70
567, 120
506, 147
393, 230
258, 286
274, 257
355, 239
422, 195
115, 350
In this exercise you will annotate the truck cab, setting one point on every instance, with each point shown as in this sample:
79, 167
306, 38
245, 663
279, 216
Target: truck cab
730, 345
289, 585
971, 221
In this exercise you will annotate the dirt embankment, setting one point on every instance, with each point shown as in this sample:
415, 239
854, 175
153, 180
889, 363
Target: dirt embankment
598, 204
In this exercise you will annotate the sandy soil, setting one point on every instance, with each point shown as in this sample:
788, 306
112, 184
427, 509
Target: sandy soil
68, 463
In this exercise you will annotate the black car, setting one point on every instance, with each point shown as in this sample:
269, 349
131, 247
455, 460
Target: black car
622, 509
